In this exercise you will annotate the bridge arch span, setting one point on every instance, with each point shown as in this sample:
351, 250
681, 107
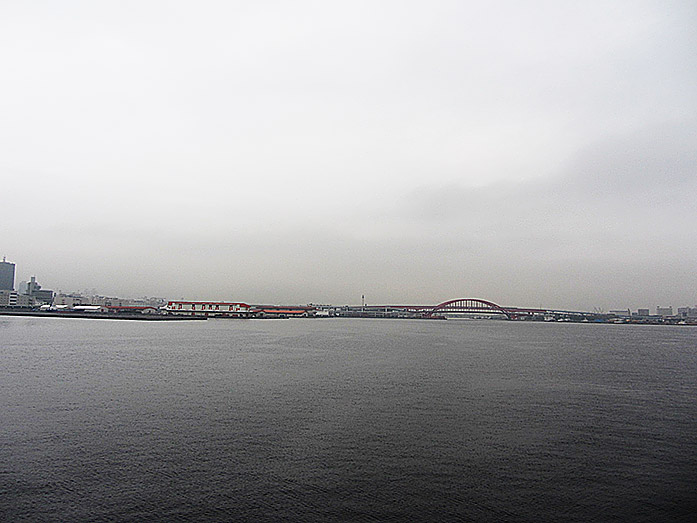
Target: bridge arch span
469, 305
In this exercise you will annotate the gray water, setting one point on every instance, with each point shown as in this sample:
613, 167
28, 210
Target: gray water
346, 420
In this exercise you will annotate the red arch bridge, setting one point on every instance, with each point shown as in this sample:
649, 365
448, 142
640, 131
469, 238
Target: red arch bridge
464, 307
467, 306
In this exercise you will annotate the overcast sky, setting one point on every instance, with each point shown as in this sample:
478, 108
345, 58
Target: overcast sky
529, 153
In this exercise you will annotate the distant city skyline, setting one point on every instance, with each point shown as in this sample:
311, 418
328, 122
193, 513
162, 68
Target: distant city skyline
537, 154
31, 287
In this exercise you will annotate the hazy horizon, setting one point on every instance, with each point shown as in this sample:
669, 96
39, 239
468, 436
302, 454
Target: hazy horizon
533, 155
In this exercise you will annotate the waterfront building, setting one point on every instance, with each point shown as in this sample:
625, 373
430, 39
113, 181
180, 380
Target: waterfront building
284, 311
7, 275
106, 301
687, 312
131, 309
14, 299
70, 300
209, 308
8, 298
622, 313
664, 311
32, 286
40, 295
109, 302
643, 312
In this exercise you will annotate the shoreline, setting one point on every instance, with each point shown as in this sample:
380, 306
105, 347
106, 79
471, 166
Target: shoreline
101, 315
178, 317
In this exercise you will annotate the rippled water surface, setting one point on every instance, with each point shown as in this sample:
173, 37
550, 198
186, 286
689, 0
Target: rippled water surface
346, 419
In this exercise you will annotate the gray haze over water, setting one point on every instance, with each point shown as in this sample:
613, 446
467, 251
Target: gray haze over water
536, 154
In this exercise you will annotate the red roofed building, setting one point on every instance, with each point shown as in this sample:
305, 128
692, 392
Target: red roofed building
209, 308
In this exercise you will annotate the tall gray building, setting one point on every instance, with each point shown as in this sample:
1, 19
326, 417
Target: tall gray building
7, 275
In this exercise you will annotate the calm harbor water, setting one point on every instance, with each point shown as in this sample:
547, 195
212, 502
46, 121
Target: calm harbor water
346, 420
